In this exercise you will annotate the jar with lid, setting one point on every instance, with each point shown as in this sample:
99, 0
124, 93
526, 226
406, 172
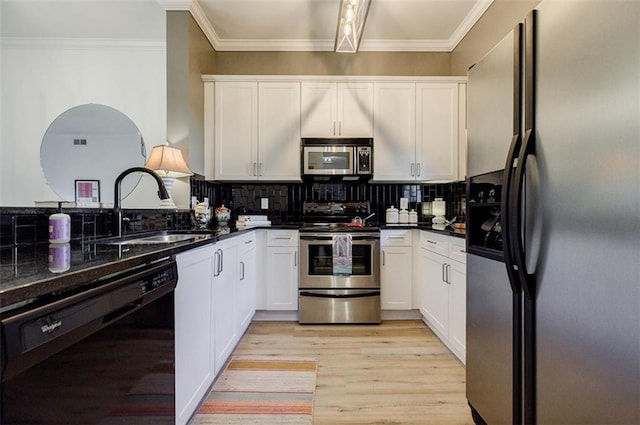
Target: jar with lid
403, 217
413, 217
392, 215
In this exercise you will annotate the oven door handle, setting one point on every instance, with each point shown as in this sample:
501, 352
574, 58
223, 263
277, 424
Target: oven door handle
329, 238
358, 295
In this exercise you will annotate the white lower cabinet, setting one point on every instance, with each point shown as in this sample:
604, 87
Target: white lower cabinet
458, 323
396, 269
442, 286
282, 270
193, 330
225, 295
246, 281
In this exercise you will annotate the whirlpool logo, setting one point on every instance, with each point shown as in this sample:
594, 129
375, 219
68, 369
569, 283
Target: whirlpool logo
47, 328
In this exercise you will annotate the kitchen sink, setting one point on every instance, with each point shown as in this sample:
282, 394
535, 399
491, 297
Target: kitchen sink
166, 237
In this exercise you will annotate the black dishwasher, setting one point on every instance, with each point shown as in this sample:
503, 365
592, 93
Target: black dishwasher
102, 355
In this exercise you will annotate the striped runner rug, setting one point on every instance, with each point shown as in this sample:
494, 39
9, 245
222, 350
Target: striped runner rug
262, 390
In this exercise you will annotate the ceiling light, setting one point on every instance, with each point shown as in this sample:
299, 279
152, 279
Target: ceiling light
351, 18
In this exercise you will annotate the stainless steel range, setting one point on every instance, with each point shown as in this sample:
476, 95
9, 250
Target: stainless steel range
340, 264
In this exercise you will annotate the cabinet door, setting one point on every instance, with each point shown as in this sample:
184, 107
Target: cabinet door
437, 131
193, 332
435, 295
279, 131
236, 131
318, 109
224, 303
394, 131
355, 109
395, 278
246, 282
458, 320
282, 278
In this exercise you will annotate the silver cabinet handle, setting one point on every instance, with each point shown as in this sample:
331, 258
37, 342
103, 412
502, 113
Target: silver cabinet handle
418, 169
339, 128
241, 270
431, 242
295, 259
248, 242
255, 169
334, 128
216, 263
260, 169
444, 278
412, 169
383, 258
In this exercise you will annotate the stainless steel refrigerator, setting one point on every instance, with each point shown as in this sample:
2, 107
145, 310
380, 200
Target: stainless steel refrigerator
553, 230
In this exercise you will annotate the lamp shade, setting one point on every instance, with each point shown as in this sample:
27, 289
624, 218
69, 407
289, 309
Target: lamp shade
169, 161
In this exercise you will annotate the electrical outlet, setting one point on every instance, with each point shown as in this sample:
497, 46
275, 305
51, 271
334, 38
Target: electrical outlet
264, 203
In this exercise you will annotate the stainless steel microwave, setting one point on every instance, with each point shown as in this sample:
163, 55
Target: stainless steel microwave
348, 159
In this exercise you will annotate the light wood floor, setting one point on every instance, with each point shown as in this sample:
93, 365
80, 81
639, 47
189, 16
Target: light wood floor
395, 373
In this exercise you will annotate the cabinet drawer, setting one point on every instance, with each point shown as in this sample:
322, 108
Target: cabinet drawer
458, 249
435, 242
282, 238
395, 238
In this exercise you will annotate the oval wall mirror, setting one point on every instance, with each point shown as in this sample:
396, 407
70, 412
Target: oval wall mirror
88, 143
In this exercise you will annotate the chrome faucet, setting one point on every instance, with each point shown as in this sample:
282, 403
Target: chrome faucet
117, 209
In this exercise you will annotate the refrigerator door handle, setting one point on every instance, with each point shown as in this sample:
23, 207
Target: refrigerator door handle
516, 222
508, 241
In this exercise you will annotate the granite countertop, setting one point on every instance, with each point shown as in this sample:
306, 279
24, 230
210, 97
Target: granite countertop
27, 272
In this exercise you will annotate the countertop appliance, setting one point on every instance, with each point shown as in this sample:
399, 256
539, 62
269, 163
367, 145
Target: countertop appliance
337, 159
553, 317
331, 294
100, 354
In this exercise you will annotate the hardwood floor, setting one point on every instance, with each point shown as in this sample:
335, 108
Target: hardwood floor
395, 373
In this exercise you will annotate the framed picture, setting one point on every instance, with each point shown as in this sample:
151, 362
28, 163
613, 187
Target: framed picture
87, 193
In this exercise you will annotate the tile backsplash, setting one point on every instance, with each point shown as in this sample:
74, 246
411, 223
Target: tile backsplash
29, 225
285, 200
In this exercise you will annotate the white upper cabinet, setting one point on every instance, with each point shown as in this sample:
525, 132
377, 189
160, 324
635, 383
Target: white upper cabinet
256, 131
437, 131
236, 130
416, 132
337, 109
253, 125
394, 131
278, 131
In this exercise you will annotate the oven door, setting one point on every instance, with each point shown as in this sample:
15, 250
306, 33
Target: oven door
327, 160
316, 265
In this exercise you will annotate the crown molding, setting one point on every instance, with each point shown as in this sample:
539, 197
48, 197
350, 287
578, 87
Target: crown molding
175, 4
468, 22
201, 19
80, 43
219, 44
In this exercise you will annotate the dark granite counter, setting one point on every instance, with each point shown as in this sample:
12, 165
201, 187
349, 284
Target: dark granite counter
31, 271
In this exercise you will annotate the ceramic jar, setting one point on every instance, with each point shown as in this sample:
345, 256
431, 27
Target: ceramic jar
413, 217
403, 217
223, 215
392, 215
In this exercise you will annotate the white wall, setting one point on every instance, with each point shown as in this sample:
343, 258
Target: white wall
42, 77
